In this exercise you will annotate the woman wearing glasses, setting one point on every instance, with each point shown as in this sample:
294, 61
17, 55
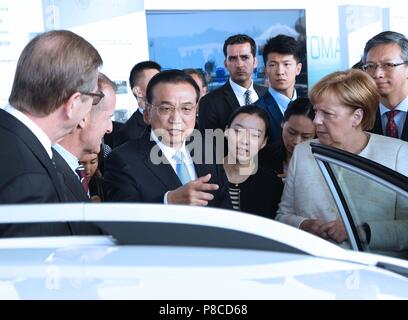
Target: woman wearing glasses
345, 104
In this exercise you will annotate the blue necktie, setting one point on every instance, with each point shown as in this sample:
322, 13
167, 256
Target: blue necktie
181, 168
248, 99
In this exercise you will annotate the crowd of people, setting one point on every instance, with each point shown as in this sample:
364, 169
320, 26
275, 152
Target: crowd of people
241, 146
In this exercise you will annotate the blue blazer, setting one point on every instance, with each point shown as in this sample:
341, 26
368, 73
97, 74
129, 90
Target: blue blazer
275, 116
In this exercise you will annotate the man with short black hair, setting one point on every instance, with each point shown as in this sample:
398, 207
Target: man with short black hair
281, 55
161, 166
140, 76
240, 60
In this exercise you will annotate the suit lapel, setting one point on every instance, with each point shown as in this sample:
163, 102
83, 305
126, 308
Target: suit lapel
230, 97
163, 171
404, 135
35, 146
273, 109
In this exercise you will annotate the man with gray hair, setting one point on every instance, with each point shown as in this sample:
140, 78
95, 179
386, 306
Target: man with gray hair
386, 61
85, 139
54, 87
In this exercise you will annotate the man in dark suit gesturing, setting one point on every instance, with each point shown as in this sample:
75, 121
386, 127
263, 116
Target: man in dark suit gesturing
240, 60
160, 166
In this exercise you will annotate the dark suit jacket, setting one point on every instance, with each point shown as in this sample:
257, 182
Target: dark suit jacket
132, 129
379, 130
109, 138
275, 116
216, 107
27, 175
131, 175
74, 192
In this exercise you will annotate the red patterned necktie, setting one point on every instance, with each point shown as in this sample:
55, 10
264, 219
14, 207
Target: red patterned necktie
82, 177
391, 128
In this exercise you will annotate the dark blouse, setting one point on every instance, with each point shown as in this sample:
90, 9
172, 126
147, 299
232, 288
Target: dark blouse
260, 194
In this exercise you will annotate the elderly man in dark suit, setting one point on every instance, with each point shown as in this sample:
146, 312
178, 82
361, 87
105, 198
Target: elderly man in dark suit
160, 166
240, 60
85, 139
49, 98
139, 77
53, 89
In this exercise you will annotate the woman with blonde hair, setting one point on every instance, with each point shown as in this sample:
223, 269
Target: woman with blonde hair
345, 104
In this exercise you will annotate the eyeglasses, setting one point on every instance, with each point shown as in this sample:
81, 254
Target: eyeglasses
386, 66
96, 96
167, 109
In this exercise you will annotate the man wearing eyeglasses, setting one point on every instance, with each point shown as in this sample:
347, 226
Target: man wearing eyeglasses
162, 166
53, 88
85, 139
386, 61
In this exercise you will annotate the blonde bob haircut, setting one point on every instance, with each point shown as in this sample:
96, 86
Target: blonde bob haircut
352, 88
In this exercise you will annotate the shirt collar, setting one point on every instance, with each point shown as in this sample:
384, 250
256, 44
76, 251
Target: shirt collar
169, 151
280, 98
33, 127
69, 158
238, 90
402, 106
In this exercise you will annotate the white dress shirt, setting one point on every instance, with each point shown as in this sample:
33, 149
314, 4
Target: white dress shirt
169, 152
240, 92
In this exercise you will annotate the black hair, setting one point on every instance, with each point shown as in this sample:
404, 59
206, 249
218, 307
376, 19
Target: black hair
299, 107
240, 39
199, 73
136, 72
282, 44
173, 76
252, 109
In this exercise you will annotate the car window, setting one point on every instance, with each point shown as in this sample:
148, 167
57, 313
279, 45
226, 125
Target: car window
376, 212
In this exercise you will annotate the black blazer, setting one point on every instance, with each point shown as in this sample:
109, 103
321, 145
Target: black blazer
74, 192
216, 107
379, 130
109, 138
27, 175
130, 175
132, 129
260, 194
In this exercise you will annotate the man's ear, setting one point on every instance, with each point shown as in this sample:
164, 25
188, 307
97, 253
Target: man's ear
298, 68
84, 121
70, 106
146, 115
137, 92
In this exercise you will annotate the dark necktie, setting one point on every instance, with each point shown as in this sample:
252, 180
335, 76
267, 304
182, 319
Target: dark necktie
82, 177
391, 128
248, 97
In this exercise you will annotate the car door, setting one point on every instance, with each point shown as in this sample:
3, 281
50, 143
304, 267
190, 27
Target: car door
372, 200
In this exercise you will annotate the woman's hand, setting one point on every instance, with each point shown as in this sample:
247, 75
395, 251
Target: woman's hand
313, 226
335, 230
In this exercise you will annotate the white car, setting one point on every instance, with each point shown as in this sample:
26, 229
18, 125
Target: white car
185, 252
